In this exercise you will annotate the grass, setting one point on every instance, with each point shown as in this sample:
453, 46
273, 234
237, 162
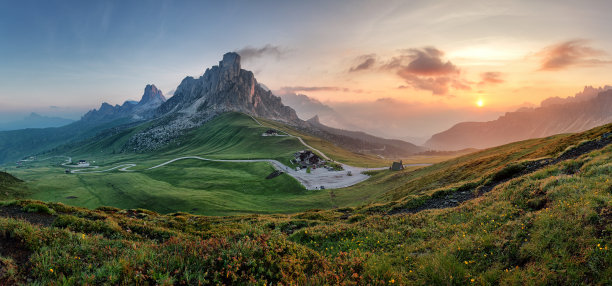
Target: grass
496, 239
552, 226
208, 188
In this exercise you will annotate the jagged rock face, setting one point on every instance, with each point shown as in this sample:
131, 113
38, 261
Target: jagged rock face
224, 88
534, 123
144, 109
152, 95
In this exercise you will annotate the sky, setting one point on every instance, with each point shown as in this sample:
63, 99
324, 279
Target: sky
430, 61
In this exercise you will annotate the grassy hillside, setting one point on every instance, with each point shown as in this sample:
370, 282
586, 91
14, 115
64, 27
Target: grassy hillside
547, 225
16, 144
210, 188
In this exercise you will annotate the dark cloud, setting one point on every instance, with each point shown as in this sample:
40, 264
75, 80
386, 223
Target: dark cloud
248, 52
298, 89
423, 62
365, 62
425, 69
491, 78
570, 53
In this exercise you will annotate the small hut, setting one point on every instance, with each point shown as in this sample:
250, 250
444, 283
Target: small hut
397, 166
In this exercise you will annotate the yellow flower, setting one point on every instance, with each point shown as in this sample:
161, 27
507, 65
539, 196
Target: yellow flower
392, 281
51, 270
472, 280
465, 262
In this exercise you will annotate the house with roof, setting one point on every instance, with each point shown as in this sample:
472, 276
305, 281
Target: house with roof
396, 166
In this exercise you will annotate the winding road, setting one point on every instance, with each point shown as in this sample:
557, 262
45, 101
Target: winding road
314, 180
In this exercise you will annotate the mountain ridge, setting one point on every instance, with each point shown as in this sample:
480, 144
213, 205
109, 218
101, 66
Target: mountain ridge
549, 119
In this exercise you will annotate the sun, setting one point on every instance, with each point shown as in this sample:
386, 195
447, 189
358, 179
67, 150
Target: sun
480, 102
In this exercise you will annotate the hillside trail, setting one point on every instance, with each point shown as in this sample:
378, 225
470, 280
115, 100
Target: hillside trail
314, 180
456, 198
298, 138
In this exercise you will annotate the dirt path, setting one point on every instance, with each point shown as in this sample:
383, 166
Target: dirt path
456, 198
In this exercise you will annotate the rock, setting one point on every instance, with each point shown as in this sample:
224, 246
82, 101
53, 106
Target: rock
222, 88
151, 99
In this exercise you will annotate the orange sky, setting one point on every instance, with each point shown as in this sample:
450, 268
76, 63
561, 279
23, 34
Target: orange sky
442, 56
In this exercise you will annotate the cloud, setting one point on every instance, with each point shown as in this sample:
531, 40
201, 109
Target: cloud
570, 53
249, 53
425, 69
298, 89
365, 62
491, 78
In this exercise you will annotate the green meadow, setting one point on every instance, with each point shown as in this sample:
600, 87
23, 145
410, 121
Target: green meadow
548, 225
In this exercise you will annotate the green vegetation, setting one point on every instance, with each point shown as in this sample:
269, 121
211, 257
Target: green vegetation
536, 212
499, 238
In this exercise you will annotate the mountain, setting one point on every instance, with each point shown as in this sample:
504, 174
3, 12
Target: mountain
362, 142
35, 120
305, 106
151, 99
587, 93
108, 119
223, 88
563, 117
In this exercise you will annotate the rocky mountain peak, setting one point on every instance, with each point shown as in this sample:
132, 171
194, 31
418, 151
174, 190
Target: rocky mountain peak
222, 88
314, 120
152, 94
230, 65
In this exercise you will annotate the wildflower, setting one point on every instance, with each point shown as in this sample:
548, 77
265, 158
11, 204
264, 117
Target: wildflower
51, 270
472, 280
392, 281
465, 262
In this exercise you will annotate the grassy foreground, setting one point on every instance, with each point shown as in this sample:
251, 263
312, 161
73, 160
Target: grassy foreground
552, 226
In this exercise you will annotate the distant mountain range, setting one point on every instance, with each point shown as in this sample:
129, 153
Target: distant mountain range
588, 109
151, 99
222, 88
35, 120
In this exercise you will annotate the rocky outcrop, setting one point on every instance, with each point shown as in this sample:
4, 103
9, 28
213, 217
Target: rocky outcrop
222, 88
151, 99
550, 119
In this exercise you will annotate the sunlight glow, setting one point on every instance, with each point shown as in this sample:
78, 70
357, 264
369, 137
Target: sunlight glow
480, 102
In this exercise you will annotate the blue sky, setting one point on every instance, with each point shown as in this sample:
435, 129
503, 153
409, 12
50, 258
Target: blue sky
65, 57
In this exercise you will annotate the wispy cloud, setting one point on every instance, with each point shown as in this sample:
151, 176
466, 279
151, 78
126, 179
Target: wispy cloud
491, 78
364, 62
571, 53
248, 52
298, 89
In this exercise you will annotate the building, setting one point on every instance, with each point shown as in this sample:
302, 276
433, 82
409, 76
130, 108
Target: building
83, 163
397, 166
270, 132
307, 158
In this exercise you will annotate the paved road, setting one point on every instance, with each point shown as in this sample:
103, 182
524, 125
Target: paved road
311, 181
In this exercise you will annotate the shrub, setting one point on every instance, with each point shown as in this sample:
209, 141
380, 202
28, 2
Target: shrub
38, 208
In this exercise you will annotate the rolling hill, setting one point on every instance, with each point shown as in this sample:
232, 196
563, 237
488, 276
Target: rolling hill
535, 211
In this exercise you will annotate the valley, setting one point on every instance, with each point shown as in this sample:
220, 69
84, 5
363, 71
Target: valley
223, 184
204, 173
